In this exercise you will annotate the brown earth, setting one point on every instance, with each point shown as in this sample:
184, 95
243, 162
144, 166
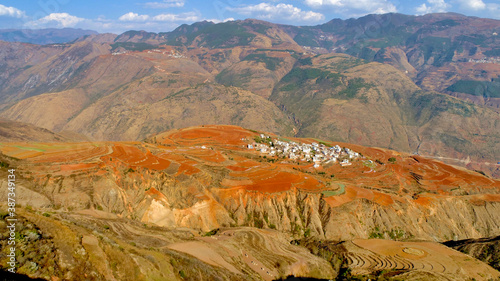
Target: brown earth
12, 131
441, 262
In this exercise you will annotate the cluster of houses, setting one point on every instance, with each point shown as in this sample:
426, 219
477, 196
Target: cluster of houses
323, 37
319, 154
119, 53
171, 53
486, 60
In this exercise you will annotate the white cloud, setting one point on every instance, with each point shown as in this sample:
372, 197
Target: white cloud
191, 16
165, 4
58, 20
133, 17
435, 6
135, 21
384, 10
423, 9
493, 10
475, 5
117, 26
11, 12
319, 3
357, 6
219, 21
268, 11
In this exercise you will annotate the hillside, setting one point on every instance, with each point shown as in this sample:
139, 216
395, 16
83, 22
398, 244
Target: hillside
435, 50
11, 131
484, 249
127, 210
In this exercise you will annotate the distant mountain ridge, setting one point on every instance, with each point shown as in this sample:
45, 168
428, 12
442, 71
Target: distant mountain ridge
43, 36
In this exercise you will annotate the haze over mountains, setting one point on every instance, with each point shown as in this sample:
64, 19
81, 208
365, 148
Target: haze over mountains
43, 36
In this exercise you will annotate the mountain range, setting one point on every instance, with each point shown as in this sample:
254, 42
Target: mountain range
424, 85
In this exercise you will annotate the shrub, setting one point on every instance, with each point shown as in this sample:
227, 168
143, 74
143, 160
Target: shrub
211, 232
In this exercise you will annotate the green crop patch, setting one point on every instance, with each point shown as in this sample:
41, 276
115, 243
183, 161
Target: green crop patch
270, 62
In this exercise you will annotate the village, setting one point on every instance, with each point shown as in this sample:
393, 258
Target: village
486, 60
171, 53
317, 153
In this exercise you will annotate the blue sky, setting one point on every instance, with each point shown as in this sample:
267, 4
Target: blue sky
165, 15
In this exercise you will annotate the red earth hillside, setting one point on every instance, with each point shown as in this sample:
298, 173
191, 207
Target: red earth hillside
371, 176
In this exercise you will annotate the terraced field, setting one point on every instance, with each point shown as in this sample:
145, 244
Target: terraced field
256, 250
366, 256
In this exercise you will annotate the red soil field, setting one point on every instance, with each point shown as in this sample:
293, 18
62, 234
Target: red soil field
308, 183
214, 134
270, 178
424, 200
243, 165
262, 171
237, 168
352, 193
134, 157
207, 155
77, 167
279, 182
186, 165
